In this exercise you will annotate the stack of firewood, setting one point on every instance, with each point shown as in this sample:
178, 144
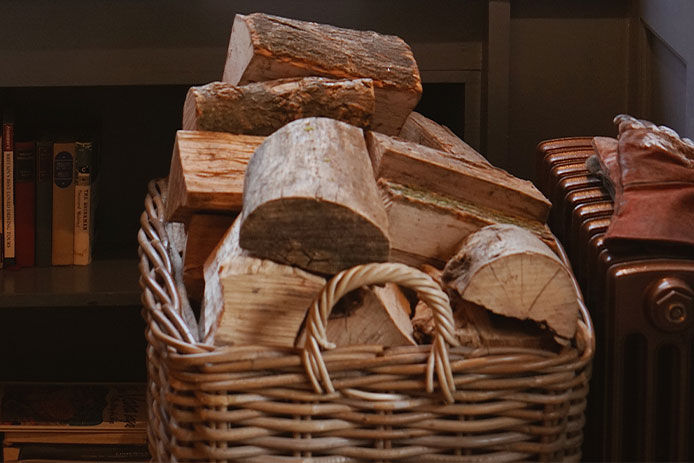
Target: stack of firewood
308, 159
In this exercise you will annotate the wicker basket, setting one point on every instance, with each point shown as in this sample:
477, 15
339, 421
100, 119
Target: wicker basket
432, 403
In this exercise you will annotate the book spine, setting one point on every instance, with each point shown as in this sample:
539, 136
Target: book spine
8, 193
84, 231
44, 202
63, 228
25, 201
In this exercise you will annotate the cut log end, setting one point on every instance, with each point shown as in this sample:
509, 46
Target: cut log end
510, 272
525, 287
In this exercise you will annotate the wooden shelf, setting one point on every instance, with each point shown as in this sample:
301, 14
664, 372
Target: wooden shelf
100, 42
105, 283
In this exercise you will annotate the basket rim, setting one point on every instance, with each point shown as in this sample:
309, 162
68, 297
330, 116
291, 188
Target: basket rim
161, 298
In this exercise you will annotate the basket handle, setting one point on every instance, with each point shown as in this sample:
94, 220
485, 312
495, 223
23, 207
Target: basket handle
378, 273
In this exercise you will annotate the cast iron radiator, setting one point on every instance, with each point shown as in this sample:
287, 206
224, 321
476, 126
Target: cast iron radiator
640, 407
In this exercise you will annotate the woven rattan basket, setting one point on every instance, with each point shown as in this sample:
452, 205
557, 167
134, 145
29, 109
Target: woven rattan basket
431, 403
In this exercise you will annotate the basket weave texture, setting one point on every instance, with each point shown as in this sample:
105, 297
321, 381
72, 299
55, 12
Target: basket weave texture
431, 403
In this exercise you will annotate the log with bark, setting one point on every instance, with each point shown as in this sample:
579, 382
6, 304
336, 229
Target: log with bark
263, 107
429, 169
424, 131
427, 228
310, 199
253, 301
207, 172
204, 233
509, 271
264, 47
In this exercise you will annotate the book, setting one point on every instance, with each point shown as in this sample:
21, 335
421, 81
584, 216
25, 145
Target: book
63, 218
44, 201
25, 202
73, 421
8, 189
81, 453
90, 408
85, 201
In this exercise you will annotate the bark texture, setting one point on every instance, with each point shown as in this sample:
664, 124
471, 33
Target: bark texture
425, 168
264, 47
427, 228
263, 107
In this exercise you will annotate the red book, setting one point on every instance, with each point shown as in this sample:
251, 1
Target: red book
25, 202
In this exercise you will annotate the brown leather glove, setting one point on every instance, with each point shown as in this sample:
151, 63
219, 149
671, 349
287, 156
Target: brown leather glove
657, 180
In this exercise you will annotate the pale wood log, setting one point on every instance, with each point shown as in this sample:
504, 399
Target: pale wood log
423, 327
424, 131
379, 316
392, 296
426, 227
263, 107
204, 233
310, 199
476, 326
264, 47
178, 238
252, 301
509, 271
206, 173
430, 169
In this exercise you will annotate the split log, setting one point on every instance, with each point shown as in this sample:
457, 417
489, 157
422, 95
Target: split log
478, 327
252, 301
427, 228
264, 47
422, 130
204, 233
509, 271
310, 200
207, 171
263, 107
425, 168
379, 316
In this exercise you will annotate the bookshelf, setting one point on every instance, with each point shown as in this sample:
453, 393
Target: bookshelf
122, 69
89, 287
